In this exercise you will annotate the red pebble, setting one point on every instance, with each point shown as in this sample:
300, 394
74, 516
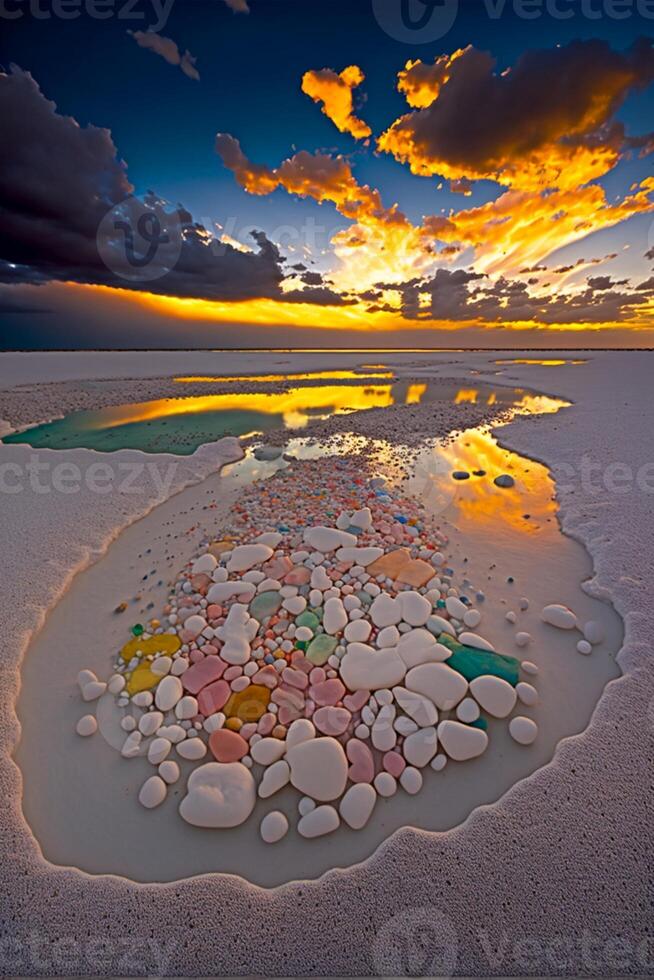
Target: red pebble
227, 746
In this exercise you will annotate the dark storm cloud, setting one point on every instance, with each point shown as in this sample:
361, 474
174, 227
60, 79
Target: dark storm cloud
463, 295
59, 180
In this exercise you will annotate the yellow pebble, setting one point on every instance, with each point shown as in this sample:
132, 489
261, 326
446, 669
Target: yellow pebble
142, 679
249, 704
167, 643
233, 724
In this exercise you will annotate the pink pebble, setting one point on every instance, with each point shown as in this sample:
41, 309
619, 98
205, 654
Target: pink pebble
209, 649
195, 656
266, 723
287, 714
240, 683
267, 676
362, 765
213, 697
203, 673
247, 731
317, 675
186, 636
356, 701
328, 692
295, 678
300, 661
227, 746
234, 671
331, 721
298, 576
277, 568
214, 611
394, 763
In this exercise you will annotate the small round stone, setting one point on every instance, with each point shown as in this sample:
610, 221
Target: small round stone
523, 730
273, 827
87, 725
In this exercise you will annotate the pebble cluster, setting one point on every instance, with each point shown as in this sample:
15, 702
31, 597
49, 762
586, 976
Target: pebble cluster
318, 642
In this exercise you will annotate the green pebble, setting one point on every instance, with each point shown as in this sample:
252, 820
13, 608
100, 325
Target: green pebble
307, 618
472, 662
137, 629
321, 648
264, 605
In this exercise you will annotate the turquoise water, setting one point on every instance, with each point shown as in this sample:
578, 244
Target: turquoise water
180, 425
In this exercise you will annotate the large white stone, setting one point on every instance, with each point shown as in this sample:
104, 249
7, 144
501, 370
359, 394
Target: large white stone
442, 685
419, 646
455, 607
357, 805
204, 565
318, 768
326, 539
270, 538
267, 751
559, 616
322, 820
420, 748
416, 610
192, 749
416, 706
360, 556
362, 518
334, 616
461, 742
222, 591
169, 691
385, 611
476, 641
235, 635
246, 556
495, 695
364, 668
219, 795
358, 631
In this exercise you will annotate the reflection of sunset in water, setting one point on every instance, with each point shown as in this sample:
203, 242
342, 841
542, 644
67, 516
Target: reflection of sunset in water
271, 378
478, 501
548, 362
297, 405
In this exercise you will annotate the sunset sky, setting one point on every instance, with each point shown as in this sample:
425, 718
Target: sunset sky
326, 176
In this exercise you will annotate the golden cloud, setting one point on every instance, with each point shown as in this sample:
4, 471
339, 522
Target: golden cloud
335, 92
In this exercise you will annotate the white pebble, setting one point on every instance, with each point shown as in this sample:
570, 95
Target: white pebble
584, 647
273, 827
411, 780
385, 784
153, 792
87, 726
192, 749
169, 771
523, 730
527, 693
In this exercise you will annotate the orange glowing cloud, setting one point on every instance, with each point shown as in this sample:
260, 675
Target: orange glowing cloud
335, 91
547, 122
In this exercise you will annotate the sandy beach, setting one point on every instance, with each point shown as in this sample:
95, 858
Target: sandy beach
528, 820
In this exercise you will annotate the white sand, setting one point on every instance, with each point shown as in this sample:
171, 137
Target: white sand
560, 854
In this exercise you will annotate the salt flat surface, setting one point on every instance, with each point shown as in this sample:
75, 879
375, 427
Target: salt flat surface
562, 857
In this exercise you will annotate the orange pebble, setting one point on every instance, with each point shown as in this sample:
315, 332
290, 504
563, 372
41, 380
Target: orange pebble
234, 724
